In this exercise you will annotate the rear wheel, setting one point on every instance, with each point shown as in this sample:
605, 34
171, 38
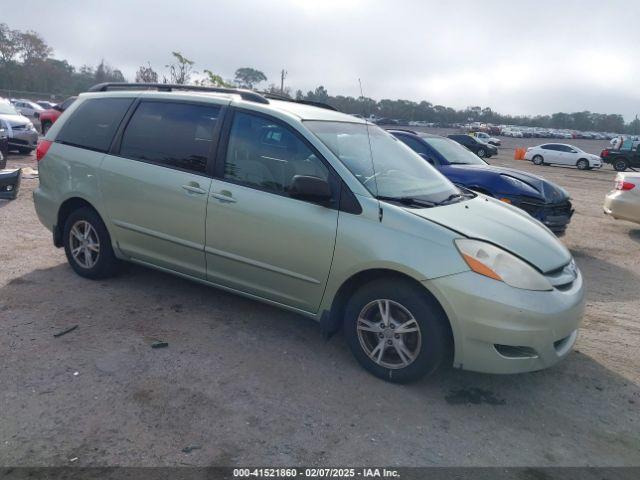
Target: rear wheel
582, 164
88, 246
25, 151
3, 161
537, 160
620, 165
396, 331
481, 152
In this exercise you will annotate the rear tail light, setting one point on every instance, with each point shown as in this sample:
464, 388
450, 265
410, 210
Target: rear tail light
43, 148
604, 153
622, 185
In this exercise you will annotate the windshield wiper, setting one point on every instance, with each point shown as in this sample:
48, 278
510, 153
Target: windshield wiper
409, 201
453, 196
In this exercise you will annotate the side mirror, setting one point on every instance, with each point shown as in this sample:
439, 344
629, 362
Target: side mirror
305, 187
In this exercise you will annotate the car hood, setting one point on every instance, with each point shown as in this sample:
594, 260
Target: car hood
549, 192
15, 120
487, 219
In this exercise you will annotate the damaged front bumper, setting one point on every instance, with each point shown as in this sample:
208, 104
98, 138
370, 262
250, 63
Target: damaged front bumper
9, 183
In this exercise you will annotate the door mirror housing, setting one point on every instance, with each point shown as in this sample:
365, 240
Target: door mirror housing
305, 187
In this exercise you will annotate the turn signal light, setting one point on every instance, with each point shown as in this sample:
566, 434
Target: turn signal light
43, 148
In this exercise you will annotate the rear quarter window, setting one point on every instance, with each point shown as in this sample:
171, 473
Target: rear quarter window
94, 123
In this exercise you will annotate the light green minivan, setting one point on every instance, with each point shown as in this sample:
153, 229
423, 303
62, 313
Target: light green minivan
312, 210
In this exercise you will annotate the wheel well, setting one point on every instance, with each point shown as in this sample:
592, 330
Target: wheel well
332, 321
67, 208
580, 159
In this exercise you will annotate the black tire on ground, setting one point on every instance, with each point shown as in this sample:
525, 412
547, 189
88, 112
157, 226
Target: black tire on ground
434, 331
25, 150
106, 263
3, 161
481, 153
620, 165
537, 160
582, 164
45, 127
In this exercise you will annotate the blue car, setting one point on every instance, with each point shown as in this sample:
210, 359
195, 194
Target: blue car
540, 198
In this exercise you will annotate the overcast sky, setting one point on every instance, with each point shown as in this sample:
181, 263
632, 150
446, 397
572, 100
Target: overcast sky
518, 57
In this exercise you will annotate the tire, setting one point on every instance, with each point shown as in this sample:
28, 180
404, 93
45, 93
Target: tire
481, 153
537, 160
45, 127
620, 165
3, 161
582, 164
424, 348
101, 263
25, 151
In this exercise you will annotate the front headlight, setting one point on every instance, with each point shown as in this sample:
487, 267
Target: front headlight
493, 262
30, 126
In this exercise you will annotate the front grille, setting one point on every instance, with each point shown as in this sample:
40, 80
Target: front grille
19, 127
541, 209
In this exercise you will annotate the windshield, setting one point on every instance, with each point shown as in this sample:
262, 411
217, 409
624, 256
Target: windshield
7, 109
453, 152
396, 170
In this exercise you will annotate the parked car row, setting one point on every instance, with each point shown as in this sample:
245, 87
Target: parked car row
20, 132
318, 212
535, 132
17, 119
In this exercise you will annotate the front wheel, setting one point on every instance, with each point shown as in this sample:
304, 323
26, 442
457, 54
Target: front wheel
582, 164
620, 165
396, 331
25, 151
87, 245
482, 153
537, 160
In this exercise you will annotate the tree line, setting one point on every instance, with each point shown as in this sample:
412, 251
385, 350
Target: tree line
26, 64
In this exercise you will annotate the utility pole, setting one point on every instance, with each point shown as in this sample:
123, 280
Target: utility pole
283, 75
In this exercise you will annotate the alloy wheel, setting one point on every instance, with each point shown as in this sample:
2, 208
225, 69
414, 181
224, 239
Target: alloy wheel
389, 334
84, 244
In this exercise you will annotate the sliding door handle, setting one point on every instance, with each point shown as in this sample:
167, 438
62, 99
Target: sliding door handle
193, 187
224, 196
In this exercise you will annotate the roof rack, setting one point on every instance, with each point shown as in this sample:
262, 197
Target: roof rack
169, 87
284, 98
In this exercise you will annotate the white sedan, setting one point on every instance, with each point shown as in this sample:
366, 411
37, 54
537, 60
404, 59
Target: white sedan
562, 154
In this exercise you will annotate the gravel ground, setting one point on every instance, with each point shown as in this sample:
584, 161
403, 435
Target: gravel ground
250, 384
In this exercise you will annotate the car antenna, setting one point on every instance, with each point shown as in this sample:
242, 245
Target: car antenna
373, 167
